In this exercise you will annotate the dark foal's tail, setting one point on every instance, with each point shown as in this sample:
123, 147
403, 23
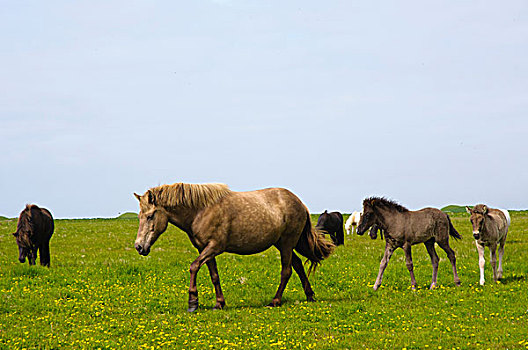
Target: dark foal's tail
452, 231
313, 245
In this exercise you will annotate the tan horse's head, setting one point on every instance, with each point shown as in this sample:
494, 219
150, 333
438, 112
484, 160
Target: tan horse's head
153, 221
478, 215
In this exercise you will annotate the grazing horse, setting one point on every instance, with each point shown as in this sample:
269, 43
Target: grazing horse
490, 226
219, 220
352, 221
373, 233
34, 230
332, 223
404, 228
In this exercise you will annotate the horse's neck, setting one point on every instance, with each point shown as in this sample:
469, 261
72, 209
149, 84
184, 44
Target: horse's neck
182, 218
386, 219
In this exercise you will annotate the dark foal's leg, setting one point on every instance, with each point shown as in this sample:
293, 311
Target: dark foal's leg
383, 264
44, 254
434, 260
409, 263
298, 267
451, 256
215, 278
286, 271
206, 254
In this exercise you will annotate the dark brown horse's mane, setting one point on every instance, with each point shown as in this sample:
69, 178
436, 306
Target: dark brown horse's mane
386, 203
24, 228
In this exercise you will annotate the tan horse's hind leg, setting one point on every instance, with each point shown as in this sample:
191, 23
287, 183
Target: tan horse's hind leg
298, 267
286, 271
215, 278
501, 253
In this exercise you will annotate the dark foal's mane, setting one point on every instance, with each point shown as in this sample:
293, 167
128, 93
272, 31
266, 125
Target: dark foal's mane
387, 204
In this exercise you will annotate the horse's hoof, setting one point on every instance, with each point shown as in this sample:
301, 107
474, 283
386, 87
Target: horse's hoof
193, 307
432, 286
219, 306
310, 299
274, 304
375, 287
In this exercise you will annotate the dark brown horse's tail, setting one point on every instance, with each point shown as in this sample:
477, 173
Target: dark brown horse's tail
313, 245
452, 231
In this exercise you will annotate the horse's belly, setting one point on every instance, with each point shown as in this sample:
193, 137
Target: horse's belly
250, 244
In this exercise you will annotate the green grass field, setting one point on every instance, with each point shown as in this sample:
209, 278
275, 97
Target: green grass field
99, 293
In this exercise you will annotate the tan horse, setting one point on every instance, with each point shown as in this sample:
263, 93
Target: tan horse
219, 220
404, 228
490, 226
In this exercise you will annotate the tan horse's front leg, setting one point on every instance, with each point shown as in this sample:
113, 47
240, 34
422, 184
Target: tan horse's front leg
493, 259
205, 255
482, 262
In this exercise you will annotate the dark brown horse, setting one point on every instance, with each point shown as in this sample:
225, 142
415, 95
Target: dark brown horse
34, 229
332, 224
404, 228
219, 220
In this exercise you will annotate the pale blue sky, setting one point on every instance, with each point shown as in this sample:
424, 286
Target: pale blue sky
423, 102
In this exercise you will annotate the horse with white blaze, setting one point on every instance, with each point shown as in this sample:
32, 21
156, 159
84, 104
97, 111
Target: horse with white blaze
490, 228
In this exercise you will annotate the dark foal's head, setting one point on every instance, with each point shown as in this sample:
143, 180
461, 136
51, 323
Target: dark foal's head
478, 215
369, 217
153, 221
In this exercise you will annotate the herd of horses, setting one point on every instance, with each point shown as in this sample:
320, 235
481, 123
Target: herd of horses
219, 220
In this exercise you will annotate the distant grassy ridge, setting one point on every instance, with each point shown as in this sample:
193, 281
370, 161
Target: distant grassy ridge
128, 215
454, 209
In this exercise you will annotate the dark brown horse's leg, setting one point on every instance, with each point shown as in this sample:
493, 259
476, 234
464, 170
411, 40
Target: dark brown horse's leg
286, 271
409, 263
215, 278
44, 254
205, 255
434, 260
451, 256
298, 267
383, 264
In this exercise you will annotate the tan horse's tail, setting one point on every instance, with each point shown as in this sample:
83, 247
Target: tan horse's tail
313, 245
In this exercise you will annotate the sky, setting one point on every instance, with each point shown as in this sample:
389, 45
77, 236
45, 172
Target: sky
421, 102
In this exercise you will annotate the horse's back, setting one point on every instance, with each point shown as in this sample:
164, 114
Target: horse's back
427, 223
502, 220
250, 222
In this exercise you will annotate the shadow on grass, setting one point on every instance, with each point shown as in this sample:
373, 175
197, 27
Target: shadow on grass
512, 279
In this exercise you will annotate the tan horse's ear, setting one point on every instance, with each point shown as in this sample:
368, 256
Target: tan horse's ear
468, 209
484, 209
137, 196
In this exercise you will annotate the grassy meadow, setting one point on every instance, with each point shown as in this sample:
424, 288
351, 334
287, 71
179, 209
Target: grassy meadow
99, 293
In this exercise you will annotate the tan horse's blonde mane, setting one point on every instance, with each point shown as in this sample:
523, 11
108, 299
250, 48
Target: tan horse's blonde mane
189, 195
